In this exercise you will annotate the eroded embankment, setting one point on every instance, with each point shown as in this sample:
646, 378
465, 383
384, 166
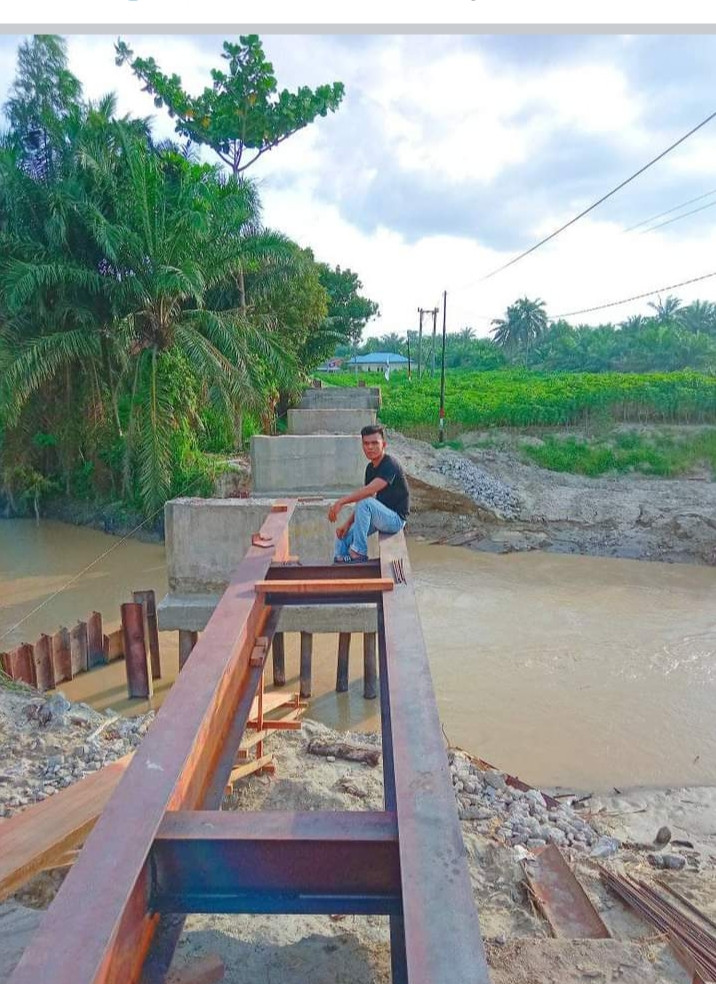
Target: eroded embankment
490, 500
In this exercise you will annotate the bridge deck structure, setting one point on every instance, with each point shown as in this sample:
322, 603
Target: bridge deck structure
163, 848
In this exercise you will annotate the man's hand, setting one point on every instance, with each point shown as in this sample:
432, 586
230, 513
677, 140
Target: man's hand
334, 510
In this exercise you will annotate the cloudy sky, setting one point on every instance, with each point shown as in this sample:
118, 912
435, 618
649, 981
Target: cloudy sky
452, 154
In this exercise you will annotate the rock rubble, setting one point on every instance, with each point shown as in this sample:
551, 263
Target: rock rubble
483, 488
517, 818
49, 743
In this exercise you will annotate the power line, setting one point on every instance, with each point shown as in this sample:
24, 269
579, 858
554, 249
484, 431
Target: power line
636, 297
599, 201
677, 217
670, 210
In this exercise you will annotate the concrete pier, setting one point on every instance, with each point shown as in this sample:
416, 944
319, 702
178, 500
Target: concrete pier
329, 421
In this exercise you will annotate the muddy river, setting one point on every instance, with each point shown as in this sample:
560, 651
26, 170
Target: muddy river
578, 671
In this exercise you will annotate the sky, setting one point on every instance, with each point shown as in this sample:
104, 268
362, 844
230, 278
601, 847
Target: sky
451, 154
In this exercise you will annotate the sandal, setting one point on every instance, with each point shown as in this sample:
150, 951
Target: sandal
351, 559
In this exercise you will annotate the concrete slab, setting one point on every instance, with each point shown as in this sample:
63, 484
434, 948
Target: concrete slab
341, 398
206, 538
329, 421
192, 612
326, 464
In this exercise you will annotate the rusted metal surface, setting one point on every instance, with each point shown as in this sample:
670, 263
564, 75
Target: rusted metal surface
279, 660
22, 664
327, 586
442, 941
276, 862
326, 572
693, 943
44, 673
171, 770
370, 666
156, 858
148, 600
61, 655
305, 664
95, 640
136, 655
78, 648
560, 898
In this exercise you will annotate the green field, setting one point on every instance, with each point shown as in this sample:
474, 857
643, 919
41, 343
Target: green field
521, 399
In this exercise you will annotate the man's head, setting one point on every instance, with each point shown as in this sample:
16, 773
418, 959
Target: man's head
373, 439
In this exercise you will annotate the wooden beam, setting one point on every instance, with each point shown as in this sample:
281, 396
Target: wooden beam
43, 833
324, 586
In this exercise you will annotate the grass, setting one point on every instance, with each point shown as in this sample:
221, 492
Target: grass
661, 455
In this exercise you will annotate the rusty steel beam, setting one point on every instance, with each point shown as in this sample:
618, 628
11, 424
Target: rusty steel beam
276, 861
171, 770
312, 572
439, 927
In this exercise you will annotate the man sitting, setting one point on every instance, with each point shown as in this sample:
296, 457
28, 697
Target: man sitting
382, 504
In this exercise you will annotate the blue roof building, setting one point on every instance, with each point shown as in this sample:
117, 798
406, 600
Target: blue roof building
378, 361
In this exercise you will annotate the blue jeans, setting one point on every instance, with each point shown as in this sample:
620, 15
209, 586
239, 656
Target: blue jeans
370, 516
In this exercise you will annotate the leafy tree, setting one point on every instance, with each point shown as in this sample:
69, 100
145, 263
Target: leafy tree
348, 310
42, 96
242, 109
699, 317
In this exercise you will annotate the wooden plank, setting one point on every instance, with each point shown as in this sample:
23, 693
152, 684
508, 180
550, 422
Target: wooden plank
136, 654
171, 770
41, 834
61, 655
204, 970
79, 649
324, 586
95, 640
44, 673
253, 765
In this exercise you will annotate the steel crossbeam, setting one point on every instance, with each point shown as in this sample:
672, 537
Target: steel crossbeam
163, 849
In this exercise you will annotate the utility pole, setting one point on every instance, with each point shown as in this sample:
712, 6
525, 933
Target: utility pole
407, 335
441, 430
434, 313
421, 312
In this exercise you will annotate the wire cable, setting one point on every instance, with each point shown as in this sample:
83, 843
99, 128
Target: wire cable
670, 210
599, 201
677, 217
636, 297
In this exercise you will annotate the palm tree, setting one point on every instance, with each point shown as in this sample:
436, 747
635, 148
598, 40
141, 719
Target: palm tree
699, 317
524, 323
667, 310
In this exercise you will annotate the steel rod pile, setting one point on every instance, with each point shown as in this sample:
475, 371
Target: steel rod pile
692, 943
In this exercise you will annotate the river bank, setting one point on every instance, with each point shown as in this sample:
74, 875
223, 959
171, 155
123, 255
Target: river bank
52, 742
487, 497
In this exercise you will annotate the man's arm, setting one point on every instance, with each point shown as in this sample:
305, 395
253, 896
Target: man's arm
371, 489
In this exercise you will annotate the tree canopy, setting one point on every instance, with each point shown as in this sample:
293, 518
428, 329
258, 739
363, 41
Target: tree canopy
242, 110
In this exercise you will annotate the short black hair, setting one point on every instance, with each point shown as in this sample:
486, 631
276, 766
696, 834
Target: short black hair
372, 429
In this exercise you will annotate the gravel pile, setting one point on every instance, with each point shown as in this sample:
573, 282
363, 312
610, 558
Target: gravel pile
519, 818
483, 488
49, 743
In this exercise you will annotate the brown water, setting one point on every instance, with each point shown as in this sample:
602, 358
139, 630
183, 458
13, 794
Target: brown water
572, 670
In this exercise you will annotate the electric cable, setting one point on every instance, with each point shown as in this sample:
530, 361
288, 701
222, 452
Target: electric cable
653, 218
636, 297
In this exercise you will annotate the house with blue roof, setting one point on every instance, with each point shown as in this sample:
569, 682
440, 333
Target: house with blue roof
377, 362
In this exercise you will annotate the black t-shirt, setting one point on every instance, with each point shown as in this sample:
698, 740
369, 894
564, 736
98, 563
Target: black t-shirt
395, 495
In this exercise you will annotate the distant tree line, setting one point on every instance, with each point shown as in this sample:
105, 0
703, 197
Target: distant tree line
672, 337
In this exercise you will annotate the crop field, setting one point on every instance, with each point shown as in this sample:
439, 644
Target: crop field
521, 398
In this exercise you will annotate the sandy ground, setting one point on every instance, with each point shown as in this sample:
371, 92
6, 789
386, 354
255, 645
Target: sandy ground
322, 949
